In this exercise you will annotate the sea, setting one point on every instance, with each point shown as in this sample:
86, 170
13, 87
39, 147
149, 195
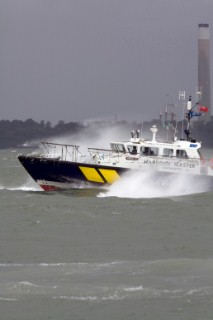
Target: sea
139, 249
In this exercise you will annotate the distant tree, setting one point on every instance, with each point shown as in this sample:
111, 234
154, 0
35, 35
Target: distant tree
17, 132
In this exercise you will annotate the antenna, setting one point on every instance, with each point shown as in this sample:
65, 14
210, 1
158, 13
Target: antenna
166, 111
182, 97
141, 129
199, 93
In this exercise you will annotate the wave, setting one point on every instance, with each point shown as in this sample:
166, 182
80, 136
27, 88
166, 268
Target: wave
7, 299
89, 298
29, 185
152, 185
105, 281
119, 265
150, 293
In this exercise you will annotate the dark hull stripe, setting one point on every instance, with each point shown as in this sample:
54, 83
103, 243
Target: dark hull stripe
51, 174
68, 172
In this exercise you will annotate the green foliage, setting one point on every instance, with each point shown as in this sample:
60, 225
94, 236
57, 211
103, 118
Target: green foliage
15, 133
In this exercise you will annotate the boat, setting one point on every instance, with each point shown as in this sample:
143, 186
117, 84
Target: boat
63, 166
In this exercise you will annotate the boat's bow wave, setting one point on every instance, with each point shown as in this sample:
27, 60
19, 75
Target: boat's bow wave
151, 184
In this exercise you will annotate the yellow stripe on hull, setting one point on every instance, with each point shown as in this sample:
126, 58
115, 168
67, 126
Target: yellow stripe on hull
110, 175
91, 174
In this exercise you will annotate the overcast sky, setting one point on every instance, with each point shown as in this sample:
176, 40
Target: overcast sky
75, 60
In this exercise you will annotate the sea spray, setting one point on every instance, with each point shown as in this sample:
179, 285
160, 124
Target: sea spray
151, 184
29, 185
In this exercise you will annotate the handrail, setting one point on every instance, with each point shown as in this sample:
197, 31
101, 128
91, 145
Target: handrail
61, 150
60, 144
98, 149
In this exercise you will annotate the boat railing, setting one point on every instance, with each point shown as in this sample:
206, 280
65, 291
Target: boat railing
61, 151
105, 155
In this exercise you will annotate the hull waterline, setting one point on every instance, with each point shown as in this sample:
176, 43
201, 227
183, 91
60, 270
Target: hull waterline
52, 174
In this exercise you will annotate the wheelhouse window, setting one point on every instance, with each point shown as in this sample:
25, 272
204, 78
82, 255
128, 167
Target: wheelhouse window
168, 152
132, 149
118, 147
181, 154
149, 151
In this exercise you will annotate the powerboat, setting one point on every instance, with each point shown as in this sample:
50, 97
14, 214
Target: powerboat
63, 166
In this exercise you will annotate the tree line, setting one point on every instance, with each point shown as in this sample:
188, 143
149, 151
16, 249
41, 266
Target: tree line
17, 132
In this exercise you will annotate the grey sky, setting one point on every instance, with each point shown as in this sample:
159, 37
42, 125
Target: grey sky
74, 60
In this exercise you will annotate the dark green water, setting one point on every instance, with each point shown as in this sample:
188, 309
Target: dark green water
135, 251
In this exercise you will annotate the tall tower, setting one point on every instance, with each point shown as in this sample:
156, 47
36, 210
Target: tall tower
204, 68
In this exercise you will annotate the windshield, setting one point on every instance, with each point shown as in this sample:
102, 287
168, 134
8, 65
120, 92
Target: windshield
118, 147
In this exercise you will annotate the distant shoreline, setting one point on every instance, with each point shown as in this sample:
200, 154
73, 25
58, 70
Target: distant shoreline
18, 133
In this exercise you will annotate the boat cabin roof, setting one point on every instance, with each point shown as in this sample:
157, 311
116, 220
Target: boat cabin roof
185, 148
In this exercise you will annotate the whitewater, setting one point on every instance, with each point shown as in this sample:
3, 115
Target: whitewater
139, 249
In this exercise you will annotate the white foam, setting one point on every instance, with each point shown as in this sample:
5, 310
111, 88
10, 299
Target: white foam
76, 298
27, 284
7, 299
29, 185
134, 289
150, 185
90, 298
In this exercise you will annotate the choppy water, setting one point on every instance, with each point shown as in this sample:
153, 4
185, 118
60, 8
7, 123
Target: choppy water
138, 250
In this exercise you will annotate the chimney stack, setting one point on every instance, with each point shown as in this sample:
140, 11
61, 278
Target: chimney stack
204, 68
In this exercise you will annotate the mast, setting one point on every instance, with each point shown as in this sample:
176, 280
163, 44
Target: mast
191, 113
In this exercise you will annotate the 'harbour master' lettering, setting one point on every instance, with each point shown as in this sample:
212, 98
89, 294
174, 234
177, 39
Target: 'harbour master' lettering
179, 164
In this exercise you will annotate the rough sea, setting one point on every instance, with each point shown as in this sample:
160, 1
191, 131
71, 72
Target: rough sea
137, 250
